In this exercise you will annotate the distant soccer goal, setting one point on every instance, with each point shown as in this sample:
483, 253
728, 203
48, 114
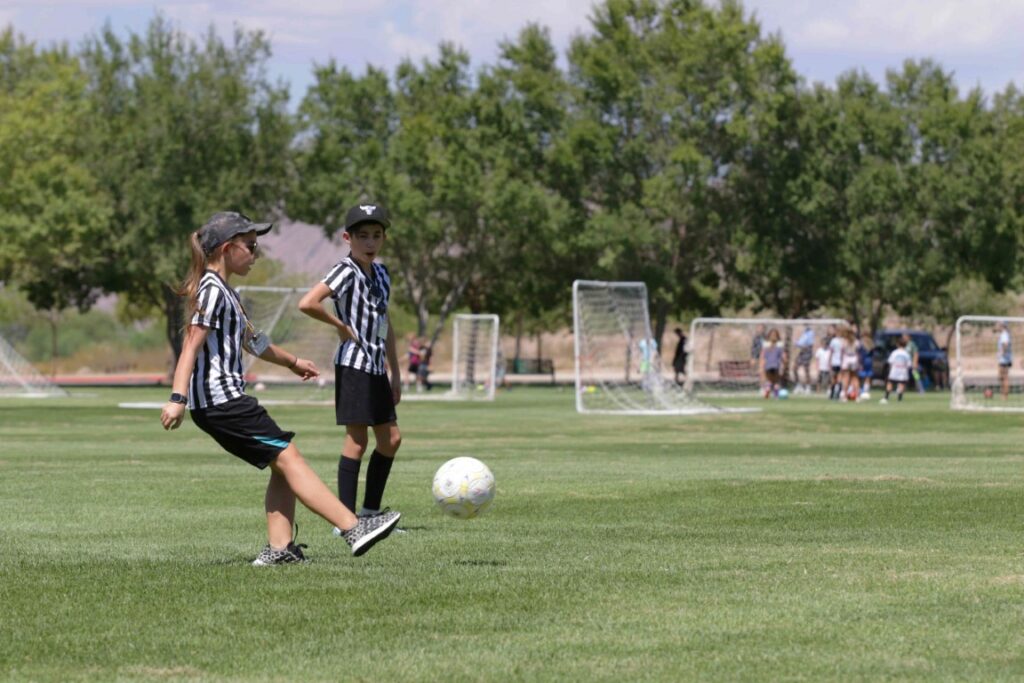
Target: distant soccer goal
987, 375
618, 363
275, 311
20, 379
475, 356
724, 354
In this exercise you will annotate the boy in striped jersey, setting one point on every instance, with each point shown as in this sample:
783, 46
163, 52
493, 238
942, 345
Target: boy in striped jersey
208, 379
364, 397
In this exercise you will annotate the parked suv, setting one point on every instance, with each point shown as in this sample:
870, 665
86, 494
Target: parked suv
932, 359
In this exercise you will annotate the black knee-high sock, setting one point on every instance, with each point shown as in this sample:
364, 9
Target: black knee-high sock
348, 481
376, 479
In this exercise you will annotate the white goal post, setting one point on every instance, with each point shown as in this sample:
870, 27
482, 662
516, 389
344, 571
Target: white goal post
274, 310
987, 374
20, 379
723, 354
618, 364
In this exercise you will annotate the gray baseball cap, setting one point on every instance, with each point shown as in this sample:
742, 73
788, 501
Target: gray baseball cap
224, 225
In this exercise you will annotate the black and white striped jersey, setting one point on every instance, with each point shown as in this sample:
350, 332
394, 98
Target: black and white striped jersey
361, 302
217, 377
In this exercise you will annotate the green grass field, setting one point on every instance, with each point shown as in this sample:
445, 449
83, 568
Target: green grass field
812, 541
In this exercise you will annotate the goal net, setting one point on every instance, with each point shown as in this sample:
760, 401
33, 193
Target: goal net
724, 354
987, 375
20, 379
618, 363
275, 310
474, 356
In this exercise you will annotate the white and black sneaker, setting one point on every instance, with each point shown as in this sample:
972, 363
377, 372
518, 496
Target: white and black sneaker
370, 530
363, 513
288, 555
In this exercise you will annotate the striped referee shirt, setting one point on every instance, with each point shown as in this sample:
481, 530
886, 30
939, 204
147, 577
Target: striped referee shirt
361, 302
217, 376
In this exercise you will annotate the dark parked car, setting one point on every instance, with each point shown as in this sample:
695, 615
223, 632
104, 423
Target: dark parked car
932, 359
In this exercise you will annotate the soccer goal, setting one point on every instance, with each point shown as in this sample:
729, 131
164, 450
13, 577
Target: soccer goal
20, 379
618, 363
986, 373
475, 356
275, 310
724, 354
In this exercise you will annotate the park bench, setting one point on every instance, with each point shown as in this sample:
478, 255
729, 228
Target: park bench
530, 366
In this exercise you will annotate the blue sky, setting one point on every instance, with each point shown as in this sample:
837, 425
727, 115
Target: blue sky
980, 40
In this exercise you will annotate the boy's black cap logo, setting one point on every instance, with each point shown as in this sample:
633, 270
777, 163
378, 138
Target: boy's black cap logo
224, 225
367, 213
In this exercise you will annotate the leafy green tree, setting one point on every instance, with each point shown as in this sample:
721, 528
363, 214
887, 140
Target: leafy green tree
522, 107
54, 217
179, 129
670, 89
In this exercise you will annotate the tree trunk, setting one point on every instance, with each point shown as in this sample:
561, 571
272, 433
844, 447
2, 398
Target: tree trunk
53, 318
660, 322
519, 335
451, 300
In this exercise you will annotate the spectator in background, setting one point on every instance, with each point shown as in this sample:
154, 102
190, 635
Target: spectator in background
824, 358
679, 359
755, 351
835, 346
423, 375
1004, 356
804, 354
773, 359
866, 370
414, 358
850, 362
910, 346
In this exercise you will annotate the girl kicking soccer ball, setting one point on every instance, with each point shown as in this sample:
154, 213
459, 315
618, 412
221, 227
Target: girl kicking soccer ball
364, 398
208, 379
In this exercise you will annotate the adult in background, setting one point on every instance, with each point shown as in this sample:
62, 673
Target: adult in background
413, 353
1004, 356
773, 359
679, 359
756, 344
804, 355
910, 346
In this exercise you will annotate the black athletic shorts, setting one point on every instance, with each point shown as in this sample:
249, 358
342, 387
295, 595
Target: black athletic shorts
244, 429
361, 398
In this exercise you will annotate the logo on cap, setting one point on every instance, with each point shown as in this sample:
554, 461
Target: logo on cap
368, 209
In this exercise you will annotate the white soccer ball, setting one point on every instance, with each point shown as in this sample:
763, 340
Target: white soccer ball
259, 386
463, 487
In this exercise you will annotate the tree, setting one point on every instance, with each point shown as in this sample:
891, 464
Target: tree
522, 109
670, 89
55, 216
179, 129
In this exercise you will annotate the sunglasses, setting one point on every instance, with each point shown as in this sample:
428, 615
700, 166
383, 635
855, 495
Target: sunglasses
251, 246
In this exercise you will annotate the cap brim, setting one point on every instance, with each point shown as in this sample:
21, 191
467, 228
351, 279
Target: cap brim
370, 219
261, 228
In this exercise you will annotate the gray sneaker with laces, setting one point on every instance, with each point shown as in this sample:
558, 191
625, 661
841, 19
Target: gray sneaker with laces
288, 555
370, 530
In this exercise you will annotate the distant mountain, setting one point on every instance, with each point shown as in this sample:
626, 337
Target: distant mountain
303, 248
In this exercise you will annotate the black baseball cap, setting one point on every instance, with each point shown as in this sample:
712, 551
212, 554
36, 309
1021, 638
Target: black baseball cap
367, 213
224, 225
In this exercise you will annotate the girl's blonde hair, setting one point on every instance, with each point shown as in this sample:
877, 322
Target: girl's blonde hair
190, 286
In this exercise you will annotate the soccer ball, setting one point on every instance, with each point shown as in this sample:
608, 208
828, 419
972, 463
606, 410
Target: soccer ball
783, 393
463, 487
